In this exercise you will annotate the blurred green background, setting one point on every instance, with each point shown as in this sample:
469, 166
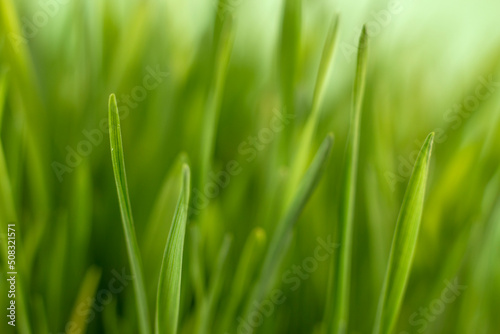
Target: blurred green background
432, 66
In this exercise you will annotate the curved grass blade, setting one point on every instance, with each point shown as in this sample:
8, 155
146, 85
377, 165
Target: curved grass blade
211, 115
404, 243
283, 233
209, 305
169, 285
248, 263
115, 138
305, 144
87, 291
340, 281
110, 319
40, 315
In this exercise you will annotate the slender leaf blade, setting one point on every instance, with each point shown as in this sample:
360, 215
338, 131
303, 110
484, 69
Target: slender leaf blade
214, 99
283, 233
245, 271
307, 136
404, 243
209, 304
342, 274
169, 285
118, 161
289, 49
86, 292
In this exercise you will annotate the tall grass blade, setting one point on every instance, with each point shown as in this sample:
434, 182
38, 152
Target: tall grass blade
248, 263
117, 158
169, 285
3, 93
304, 147
289, 49
211, 115
29, 104
404, 243
196, 266
210, 303
165, 204
342, 274
283, 233
136, 35
87, 291
8, 215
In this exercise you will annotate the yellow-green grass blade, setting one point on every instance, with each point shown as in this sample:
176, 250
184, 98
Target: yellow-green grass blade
16, 51
196, 267
289, 49
342, 273
157, 231
3, 91
211, 115
325, 65
210, 303
169, 285
404, 243
134, 38
40, 315
483, 278
7, 207
126, 214
57, 256
8, 215
283, 233
110, 319
304, 147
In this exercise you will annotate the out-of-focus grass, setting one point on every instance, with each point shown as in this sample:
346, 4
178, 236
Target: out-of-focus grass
245, 92
169, 285
134, 255
404, 242
339, 285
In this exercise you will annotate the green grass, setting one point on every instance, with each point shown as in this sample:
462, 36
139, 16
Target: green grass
265, 195
340, 280
134, 255
284, 229
169, 287
404, 243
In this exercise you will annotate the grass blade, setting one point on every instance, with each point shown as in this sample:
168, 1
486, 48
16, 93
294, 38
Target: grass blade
196, 268
115, 138
339, 306
87, 291
8, 215
289, 49
404, 243
3, 93
212, 112
283, 233
209, 305
164, 205
169, 285
244, 273
304, 146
